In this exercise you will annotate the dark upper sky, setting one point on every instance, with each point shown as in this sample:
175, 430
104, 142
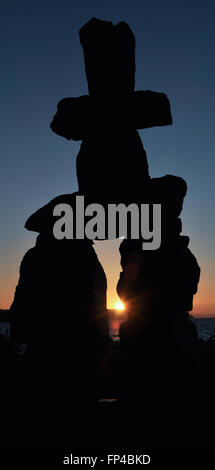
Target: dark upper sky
42, 62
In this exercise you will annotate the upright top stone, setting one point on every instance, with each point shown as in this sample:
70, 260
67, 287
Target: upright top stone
109, 54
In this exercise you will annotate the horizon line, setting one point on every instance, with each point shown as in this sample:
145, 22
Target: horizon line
195, 315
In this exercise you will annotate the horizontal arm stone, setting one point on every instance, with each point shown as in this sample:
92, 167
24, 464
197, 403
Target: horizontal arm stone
76, 118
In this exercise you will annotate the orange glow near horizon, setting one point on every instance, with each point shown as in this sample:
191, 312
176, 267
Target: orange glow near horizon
204, 302
109, 256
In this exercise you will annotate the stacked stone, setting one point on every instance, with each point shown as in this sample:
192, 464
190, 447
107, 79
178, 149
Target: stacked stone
158, 286
62, 282
58, 293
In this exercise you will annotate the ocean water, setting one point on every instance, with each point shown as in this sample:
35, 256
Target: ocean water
205, 328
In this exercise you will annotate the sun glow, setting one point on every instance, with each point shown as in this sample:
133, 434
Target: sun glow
119, 306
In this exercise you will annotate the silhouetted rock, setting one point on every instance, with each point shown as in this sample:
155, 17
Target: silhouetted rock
79, 118
158, 286
112, 161
60, 301
109, 54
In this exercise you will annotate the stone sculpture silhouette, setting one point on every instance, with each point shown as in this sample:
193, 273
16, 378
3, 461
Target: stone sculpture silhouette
59, 308
63, 282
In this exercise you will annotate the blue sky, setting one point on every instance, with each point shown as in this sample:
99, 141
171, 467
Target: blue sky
42, 62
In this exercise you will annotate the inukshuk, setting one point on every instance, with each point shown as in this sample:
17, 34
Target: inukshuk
63, 280
157, 287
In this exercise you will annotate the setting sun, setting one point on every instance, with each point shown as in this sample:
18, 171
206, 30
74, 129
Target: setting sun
119, 305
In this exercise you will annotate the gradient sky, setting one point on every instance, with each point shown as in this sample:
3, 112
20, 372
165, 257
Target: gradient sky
42, 62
